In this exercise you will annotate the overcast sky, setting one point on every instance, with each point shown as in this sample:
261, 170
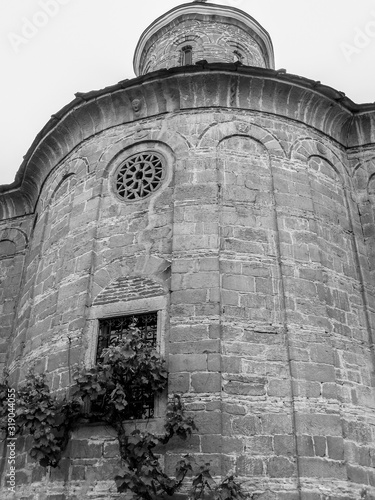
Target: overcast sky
51, 49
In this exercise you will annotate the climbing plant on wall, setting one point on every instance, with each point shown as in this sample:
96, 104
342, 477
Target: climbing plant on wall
111, 392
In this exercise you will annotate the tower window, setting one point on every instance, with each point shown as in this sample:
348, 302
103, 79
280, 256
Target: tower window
187, 55
141, 403
237, 56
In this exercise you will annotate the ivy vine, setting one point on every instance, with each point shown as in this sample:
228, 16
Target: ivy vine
113, 392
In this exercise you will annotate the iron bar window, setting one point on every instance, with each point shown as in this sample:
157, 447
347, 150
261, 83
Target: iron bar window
111, 330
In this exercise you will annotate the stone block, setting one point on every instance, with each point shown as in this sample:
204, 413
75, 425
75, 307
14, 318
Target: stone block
365, 458
249, 466
263, 286
61, 472
357, 474
319, 424
248, 425
189, 296
211, 443
197, 347
187, 363
178, 445
208, 422
85, 449
189, 333
106, 471
310, 495
330, 390
320, 446
205, 310
234, 409
259, 445
78, 473
245, 389
206, 382
306, 389
279, 388
214, 362
285, 445
356, 431
276, 423
321, 468
232, 364
281, 467
313, 372
179, 383
232, 445
111, 450
230, 297
238, 283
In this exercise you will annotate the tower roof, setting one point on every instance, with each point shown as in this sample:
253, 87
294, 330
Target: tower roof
215, 33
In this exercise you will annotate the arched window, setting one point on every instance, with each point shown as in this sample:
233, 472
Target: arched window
237, 56
187, 56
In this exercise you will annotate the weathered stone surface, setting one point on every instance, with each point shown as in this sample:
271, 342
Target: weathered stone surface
257, 250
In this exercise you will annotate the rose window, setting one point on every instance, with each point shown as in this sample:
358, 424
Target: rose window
139, 176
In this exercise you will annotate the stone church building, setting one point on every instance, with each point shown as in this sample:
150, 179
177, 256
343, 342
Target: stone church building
230, 207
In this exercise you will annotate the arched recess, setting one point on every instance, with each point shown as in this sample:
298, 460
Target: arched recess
17, 240
78, 167
174, 142
346, 278
196, 37
364, 181
336, 223
336, 278
252, 290
129, 288
7, 248
57, 245
54, 206
363, 173
248, 221
194, 40
304, 148
218, 131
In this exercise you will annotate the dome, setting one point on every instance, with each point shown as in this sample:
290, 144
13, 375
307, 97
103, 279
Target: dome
199, 31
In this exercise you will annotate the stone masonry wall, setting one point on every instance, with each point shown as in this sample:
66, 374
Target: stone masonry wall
14, 237
211, 41
257, 235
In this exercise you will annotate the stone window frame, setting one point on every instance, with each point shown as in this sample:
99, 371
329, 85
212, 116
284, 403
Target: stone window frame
126, 308
155, 157
193, 41
187, 50
149, 146
240, 49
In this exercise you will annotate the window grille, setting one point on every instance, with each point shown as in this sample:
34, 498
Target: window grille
111, 331
139, 176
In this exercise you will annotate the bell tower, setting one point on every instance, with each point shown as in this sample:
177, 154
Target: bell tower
200, 31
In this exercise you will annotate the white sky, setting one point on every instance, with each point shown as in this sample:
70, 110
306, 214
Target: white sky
89, 44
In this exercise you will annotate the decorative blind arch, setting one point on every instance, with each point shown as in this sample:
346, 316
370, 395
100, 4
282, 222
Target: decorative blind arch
129, 288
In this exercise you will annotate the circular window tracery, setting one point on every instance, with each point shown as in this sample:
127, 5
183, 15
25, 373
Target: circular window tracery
140, 176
